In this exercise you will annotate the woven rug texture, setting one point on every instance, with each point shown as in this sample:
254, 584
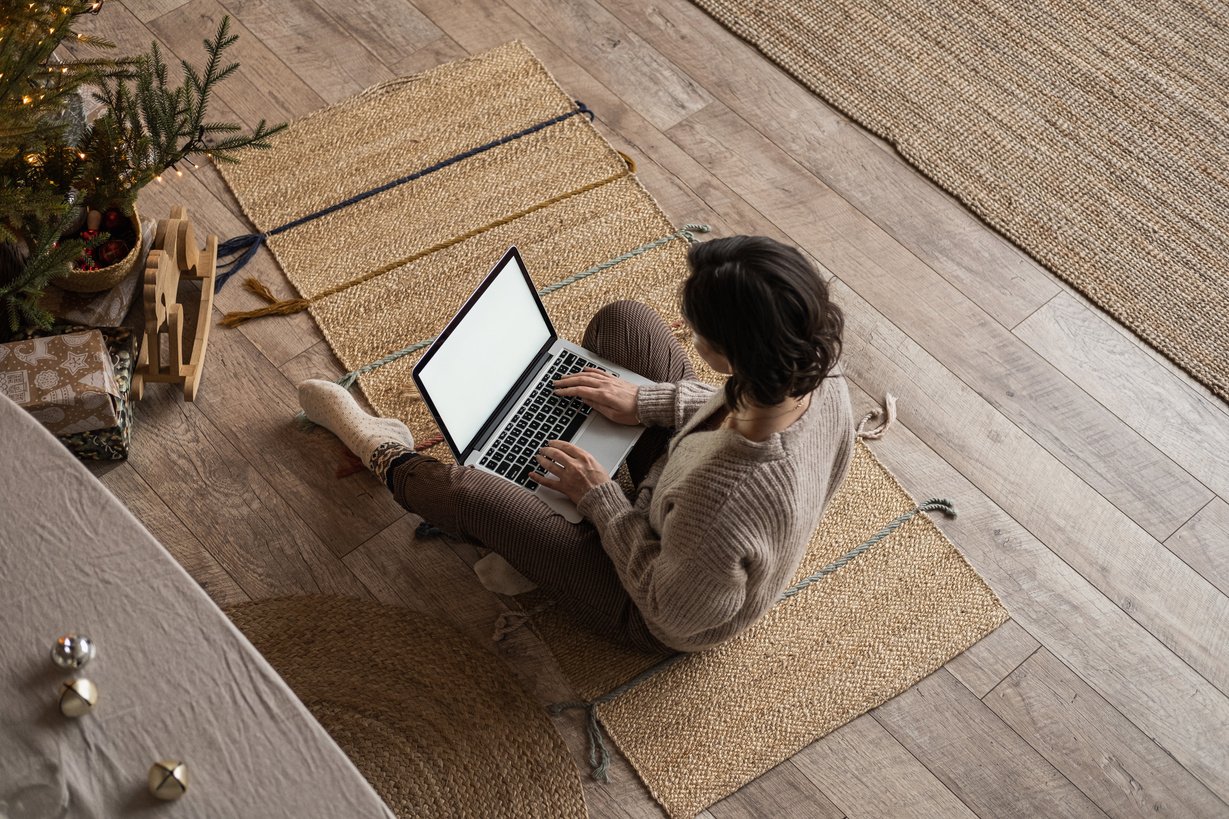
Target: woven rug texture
435, 723
581, 206
1092, 134
705, 727
845, 645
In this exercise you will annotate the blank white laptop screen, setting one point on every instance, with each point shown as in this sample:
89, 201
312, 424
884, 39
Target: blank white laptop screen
487, 351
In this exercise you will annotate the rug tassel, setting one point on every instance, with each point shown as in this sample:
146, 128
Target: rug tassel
599, 754
939, 505
508, 622
243, 248
275, 306
889, 418
258, 288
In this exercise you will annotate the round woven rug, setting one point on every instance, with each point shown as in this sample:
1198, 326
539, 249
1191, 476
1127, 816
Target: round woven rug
434, 723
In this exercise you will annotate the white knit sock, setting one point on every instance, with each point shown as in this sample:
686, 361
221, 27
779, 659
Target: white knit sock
331, 406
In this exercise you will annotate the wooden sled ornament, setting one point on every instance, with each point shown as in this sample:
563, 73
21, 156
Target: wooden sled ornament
175, 256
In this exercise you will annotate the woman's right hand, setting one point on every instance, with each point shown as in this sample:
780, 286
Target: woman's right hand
612, 397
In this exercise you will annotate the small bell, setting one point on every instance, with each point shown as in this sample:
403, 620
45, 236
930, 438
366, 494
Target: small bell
168, 779
77, 697
72, 651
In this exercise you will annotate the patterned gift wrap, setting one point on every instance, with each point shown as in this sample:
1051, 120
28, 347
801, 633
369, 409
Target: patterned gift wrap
64, 380
111, 443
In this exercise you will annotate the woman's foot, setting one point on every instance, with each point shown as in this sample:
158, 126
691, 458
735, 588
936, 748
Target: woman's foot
332, 407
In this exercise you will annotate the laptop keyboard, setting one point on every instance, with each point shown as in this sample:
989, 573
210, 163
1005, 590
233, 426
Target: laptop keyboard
542, 417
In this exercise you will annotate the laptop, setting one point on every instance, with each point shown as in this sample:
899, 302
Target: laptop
487, 381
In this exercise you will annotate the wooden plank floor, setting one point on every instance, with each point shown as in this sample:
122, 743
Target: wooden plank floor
1092, 476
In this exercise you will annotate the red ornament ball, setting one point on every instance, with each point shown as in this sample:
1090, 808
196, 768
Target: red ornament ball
112, 220
113, 251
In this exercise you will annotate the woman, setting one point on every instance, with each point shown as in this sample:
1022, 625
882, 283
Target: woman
730, 482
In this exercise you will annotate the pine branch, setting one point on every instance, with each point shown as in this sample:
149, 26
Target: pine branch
147, 126
22, 284
164, 125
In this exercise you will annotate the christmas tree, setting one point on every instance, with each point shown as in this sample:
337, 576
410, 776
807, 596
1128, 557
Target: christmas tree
54, 164
40, 121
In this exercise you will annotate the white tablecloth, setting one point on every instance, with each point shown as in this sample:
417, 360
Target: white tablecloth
175, 679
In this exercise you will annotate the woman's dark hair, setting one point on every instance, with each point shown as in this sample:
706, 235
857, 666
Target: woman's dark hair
764, 307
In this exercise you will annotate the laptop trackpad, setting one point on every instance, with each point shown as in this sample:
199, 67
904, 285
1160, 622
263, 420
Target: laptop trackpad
607, 442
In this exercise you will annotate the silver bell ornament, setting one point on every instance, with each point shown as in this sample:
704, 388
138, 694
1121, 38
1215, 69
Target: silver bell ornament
72, 651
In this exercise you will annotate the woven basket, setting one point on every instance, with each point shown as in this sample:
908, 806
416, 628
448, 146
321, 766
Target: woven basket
104, 278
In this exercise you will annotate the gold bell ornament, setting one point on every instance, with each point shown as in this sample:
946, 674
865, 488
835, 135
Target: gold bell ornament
168, 779
77, 696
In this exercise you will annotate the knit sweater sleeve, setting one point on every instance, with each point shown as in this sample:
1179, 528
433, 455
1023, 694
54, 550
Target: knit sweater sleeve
687, 580
671, 405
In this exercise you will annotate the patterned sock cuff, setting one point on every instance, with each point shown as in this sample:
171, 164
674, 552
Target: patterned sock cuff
387, 456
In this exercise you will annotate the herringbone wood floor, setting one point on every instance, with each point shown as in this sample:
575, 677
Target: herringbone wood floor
1091, 476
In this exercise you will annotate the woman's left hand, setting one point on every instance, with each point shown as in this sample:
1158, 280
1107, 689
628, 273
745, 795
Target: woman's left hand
573, 471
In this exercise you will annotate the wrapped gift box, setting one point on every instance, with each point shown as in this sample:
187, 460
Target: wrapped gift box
111, 443
65, 381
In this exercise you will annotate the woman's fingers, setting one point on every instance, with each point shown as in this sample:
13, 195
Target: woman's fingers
588, 375
552, 457
567, 449
590, 395
582, 382
546, 463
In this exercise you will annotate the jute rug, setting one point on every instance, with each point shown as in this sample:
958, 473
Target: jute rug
708, 725
433, 722
384, 275
1092, 134
390, 271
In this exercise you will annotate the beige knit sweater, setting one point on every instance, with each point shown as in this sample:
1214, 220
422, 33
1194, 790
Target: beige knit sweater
720, 523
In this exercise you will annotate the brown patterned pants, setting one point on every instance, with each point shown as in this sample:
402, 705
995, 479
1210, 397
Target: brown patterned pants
564, 559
